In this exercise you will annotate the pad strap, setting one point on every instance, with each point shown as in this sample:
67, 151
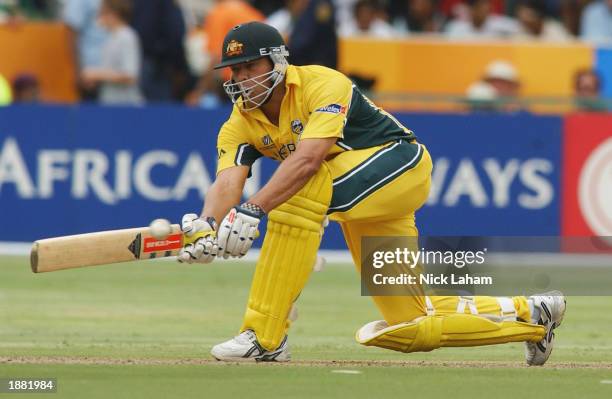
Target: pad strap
507, 309
429, 307
469, 302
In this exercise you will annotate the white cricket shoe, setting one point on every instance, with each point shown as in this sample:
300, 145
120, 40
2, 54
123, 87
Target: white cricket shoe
244, 347
551, 308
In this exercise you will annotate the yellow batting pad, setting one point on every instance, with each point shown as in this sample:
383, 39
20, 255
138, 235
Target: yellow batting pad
430, 332
287, 258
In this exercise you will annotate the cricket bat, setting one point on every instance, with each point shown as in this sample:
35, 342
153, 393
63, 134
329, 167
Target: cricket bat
101, 248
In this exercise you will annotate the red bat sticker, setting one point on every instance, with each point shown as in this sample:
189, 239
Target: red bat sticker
173, 241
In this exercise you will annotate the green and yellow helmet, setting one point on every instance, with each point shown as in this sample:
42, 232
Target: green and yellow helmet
249, 42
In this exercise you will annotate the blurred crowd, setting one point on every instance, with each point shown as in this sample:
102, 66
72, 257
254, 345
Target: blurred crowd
499, 87
138, 51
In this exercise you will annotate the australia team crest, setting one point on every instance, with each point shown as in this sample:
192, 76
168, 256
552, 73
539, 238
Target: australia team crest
297, 126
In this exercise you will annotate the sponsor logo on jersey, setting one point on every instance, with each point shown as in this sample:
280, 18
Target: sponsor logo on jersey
233, 48
332, 109
297, 126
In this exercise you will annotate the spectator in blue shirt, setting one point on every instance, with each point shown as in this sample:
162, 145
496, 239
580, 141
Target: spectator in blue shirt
81, 16
88, 37
596, 22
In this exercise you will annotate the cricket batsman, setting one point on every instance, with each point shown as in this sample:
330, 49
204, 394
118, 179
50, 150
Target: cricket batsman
344, 158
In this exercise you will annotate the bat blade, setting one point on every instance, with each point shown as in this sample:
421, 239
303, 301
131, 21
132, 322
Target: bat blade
101, 248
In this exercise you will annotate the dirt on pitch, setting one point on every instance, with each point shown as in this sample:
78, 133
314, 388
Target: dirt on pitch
50, 360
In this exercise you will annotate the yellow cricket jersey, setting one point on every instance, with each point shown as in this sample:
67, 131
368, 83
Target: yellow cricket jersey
319, 103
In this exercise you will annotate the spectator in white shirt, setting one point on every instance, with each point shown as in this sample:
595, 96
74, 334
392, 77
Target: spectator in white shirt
531, 14
418, 16
369, 20
482, 23
503, 77
498, 90
481, 97
118, 74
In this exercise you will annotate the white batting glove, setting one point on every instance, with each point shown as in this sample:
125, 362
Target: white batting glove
238, 230
199, 239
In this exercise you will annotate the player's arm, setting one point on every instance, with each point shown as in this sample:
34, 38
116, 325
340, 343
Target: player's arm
225, 193
293, 173
239, 228
236, 155
235, 158
200, 231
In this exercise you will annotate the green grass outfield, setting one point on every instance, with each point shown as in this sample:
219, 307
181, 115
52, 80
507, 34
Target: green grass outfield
145, 330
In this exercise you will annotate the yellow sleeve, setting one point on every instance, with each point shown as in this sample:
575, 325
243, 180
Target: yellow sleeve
328, 101
234, 148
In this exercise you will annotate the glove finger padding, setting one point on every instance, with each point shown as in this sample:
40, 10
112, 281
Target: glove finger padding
205, 250
187, 223
211, 251
238, 230
234, 237
225, 230
198, 248
186, 254
247, 240
199, 240
243, 233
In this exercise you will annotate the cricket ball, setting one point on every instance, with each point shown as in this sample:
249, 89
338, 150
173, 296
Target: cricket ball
160, 229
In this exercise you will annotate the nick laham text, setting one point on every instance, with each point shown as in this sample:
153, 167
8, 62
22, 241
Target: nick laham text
432, 279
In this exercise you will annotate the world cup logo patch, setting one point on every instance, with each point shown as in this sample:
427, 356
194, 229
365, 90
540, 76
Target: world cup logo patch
266, 140
297, 127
